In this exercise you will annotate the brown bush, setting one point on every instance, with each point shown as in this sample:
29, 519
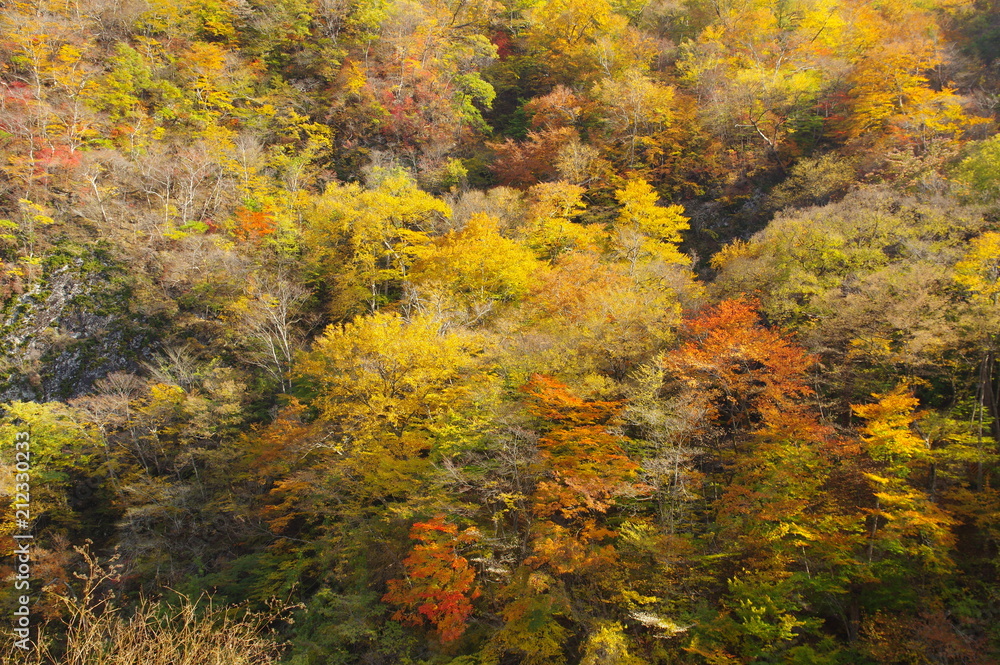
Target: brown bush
98, 632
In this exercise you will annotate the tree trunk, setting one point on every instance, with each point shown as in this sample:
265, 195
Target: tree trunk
988, 392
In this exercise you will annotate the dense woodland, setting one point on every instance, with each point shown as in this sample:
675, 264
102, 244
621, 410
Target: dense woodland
504, 332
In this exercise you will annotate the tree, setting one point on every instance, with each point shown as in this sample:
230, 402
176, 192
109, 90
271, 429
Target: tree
763, 66
585, 474
581, 39
890, 91
909, 535
440, 583
51, 80
550, 230
362, 242
383, 383
600, 319
784, 75
645, 231
667, 431
476, 266
744, 373
977, 172
264, 322
526, 163
637, 110
588, 465
978, 272
867, 282
70, 488
413, 80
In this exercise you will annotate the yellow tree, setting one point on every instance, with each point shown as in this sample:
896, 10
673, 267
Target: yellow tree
393, 397
551, 209
477, 267
599, 321
383, 383
889, 91
580, 40
776, 73
211, 20
905, 523
362, 242
637, 109
645, 231
761, 65
978, 272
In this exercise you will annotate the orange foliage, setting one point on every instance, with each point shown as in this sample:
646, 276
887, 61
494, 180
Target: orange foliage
274, 456
440, 584
530, 162
747, 373
560, 108
587, 471
581, 288
552, 400
253, 225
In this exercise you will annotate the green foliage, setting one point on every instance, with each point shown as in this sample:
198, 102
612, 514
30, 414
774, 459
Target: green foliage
473, 89
71, 476
978, 172
815, 182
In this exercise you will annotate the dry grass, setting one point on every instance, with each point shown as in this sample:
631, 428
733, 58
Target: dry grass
97, 632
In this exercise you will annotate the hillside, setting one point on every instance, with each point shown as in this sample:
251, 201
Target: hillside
501, 332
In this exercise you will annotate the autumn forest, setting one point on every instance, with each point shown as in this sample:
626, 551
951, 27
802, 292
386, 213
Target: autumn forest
501, 332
